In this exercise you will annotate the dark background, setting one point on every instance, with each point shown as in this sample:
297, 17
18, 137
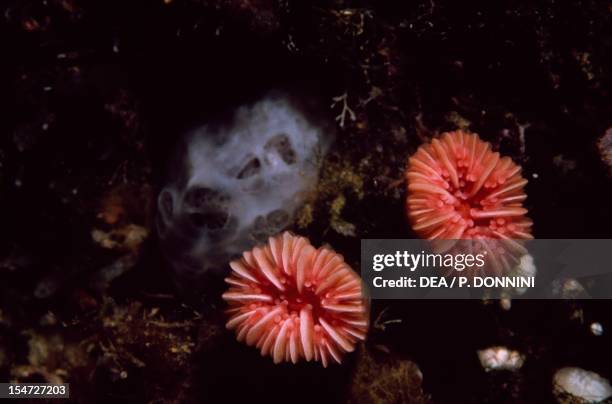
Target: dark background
96, 94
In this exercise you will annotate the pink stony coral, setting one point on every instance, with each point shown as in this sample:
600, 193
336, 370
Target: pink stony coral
293, 301
458, 188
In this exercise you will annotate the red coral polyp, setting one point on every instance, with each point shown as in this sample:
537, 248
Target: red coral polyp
458, 188
293, 301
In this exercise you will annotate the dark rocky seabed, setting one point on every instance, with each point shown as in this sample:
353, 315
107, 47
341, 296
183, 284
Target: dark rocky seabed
95, 95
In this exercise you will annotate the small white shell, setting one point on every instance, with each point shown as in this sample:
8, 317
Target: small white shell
500, 358
583, 384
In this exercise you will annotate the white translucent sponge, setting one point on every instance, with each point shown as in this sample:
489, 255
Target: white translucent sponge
235, 184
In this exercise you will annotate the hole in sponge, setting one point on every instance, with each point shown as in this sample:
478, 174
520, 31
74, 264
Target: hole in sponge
206, 207
250, 169
202, 198
213, 220
281, 145
277, 219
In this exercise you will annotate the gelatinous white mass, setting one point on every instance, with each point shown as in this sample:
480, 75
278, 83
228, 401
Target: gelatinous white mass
234, 185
